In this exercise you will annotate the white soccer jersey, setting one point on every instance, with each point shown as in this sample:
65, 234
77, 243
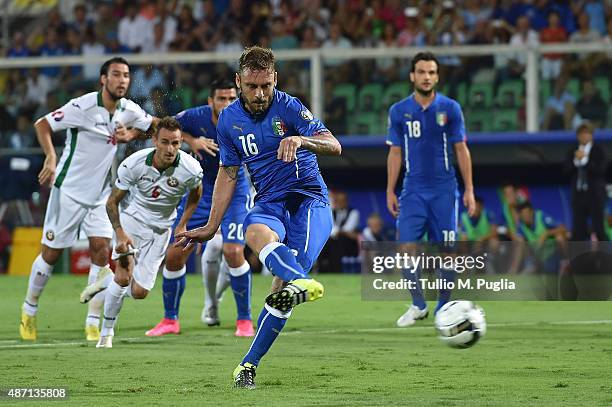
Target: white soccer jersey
155, 196
84, 167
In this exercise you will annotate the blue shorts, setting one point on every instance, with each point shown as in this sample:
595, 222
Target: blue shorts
231, 224
432, 212
301, 222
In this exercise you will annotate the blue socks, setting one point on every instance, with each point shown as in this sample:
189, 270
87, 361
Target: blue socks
416, 293
444, 295
279, 259
240, 280
173, 288
270, 323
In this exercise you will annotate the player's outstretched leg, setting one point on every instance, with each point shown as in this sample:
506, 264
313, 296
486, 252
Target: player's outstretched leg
418, 310
173, 288
279, 259
41, 271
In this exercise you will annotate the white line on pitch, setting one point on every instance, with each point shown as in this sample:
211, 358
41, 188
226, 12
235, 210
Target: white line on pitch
330, 331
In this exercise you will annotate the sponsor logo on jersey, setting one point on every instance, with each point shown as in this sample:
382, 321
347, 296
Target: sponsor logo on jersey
173, 182
278, 126
441, 118
306, 115
50, 235
58, 115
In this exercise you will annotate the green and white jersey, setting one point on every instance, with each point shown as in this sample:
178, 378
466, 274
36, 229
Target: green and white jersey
83, 171
156, 195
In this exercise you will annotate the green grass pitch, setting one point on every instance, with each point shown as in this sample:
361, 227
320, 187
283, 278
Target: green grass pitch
334, 352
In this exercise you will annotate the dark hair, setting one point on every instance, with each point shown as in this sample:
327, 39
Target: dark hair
424, 56
114, 60
479, 200
256, 59
585, 127
220, 84
169, 123
524, 205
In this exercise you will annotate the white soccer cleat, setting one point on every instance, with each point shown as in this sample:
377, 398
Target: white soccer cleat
413, 314
105, 342
210, 316
94, 288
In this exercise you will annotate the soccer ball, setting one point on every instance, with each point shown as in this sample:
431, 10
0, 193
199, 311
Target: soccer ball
460, 323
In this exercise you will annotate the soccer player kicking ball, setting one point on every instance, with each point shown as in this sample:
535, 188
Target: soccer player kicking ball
277, 138
199, 130
157, 178
94, 124
426, 130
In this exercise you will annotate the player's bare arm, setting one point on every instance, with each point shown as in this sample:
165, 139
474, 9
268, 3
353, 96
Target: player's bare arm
464, 159
394, 166
43, 134
192, 203
322, 144
225, 185
196, 144
112, 209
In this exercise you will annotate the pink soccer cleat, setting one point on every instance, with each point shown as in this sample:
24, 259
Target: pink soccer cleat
244, 327
165, 327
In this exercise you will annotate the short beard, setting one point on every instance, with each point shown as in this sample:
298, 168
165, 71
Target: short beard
424, 92
113, 96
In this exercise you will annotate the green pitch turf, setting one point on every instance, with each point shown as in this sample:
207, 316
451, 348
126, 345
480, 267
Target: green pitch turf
334, 352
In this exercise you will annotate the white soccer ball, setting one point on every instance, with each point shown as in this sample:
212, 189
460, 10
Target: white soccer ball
460, 323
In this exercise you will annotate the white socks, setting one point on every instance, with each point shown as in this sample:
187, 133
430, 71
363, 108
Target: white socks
94, 306
112, 305
41, 271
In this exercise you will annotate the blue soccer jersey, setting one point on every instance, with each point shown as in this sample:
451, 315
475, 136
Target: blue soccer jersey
429, 199
198, 122
426, 137
254, 140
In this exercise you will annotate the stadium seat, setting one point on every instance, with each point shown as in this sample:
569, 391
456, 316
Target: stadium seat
478, 120
395, 92
602, 84
545, 89
461, 93
505, 120
347, 91
480, 95
201, 98
367, 123
184, 96
509, 93
370, 97
573, 88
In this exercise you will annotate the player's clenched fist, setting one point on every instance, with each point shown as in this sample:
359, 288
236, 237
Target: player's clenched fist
287, 150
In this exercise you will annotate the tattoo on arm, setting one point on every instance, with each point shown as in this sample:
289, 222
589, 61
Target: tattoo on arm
232, 172
323, 144
112, 206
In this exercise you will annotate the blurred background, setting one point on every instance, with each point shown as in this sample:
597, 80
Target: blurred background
527, 73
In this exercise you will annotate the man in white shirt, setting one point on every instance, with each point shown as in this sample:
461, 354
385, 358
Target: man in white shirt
157, 178
94, 124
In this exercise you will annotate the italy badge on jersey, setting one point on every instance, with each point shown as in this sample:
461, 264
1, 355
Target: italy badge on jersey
441, 118
279, 127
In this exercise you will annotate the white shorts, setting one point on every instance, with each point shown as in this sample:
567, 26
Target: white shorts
65, 217
151, 245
